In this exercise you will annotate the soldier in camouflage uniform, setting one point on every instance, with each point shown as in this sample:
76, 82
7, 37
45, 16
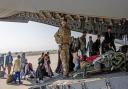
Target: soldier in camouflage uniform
63, 37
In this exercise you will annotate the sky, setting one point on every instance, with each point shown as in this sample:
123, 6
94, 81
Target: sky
31, 36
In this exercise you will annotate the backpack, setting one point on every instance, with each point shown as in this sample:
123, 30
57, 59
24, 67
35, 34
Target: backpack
10, 78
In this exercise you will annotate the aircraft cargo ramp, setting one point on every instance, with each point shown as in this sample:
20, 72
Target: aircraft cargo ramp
103, 81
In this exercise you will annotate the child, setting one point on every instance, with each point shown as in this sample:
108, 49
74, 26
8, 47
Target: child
76, 59
47, 63
110, 47
29, 70
17, 69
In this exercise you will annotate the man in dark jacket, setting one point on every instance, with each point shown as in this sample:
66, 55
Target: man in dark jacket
90, 45
109, 37
83, 43
96, 45
9, 62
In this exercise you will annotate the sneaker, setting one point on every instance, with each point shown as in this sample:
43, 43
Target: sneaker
20, 82
41, 81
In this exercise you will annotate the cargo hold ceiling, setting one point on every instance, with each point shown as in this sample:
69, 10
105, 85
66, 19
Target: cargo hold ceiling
106, 8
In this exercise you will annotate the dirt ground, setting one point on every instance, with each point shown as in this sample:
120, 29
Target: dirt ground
27, 84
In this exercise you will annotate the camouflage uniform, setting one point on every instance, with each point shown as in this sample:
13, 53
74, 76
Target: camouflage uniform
126, 61
63, 37
112, 60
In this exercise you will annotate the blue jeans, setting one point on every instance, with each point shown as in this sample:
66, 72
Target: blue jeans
17, 75
77, 65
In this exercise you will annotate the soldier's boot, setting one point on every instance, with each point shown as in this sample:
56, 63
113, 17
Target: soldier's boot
66, 73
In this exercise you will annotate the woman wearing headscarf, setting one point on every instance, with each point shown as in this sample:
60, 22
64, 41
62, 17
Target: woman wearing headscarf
47, 66
41, 71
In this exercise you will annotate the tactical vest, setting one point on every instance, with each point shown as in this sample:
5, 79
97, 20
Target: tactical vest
63, 36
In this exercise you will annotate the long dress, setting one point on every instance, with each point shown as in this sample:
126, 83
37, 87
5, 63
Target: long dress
96, 47
41, 71
47, 66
